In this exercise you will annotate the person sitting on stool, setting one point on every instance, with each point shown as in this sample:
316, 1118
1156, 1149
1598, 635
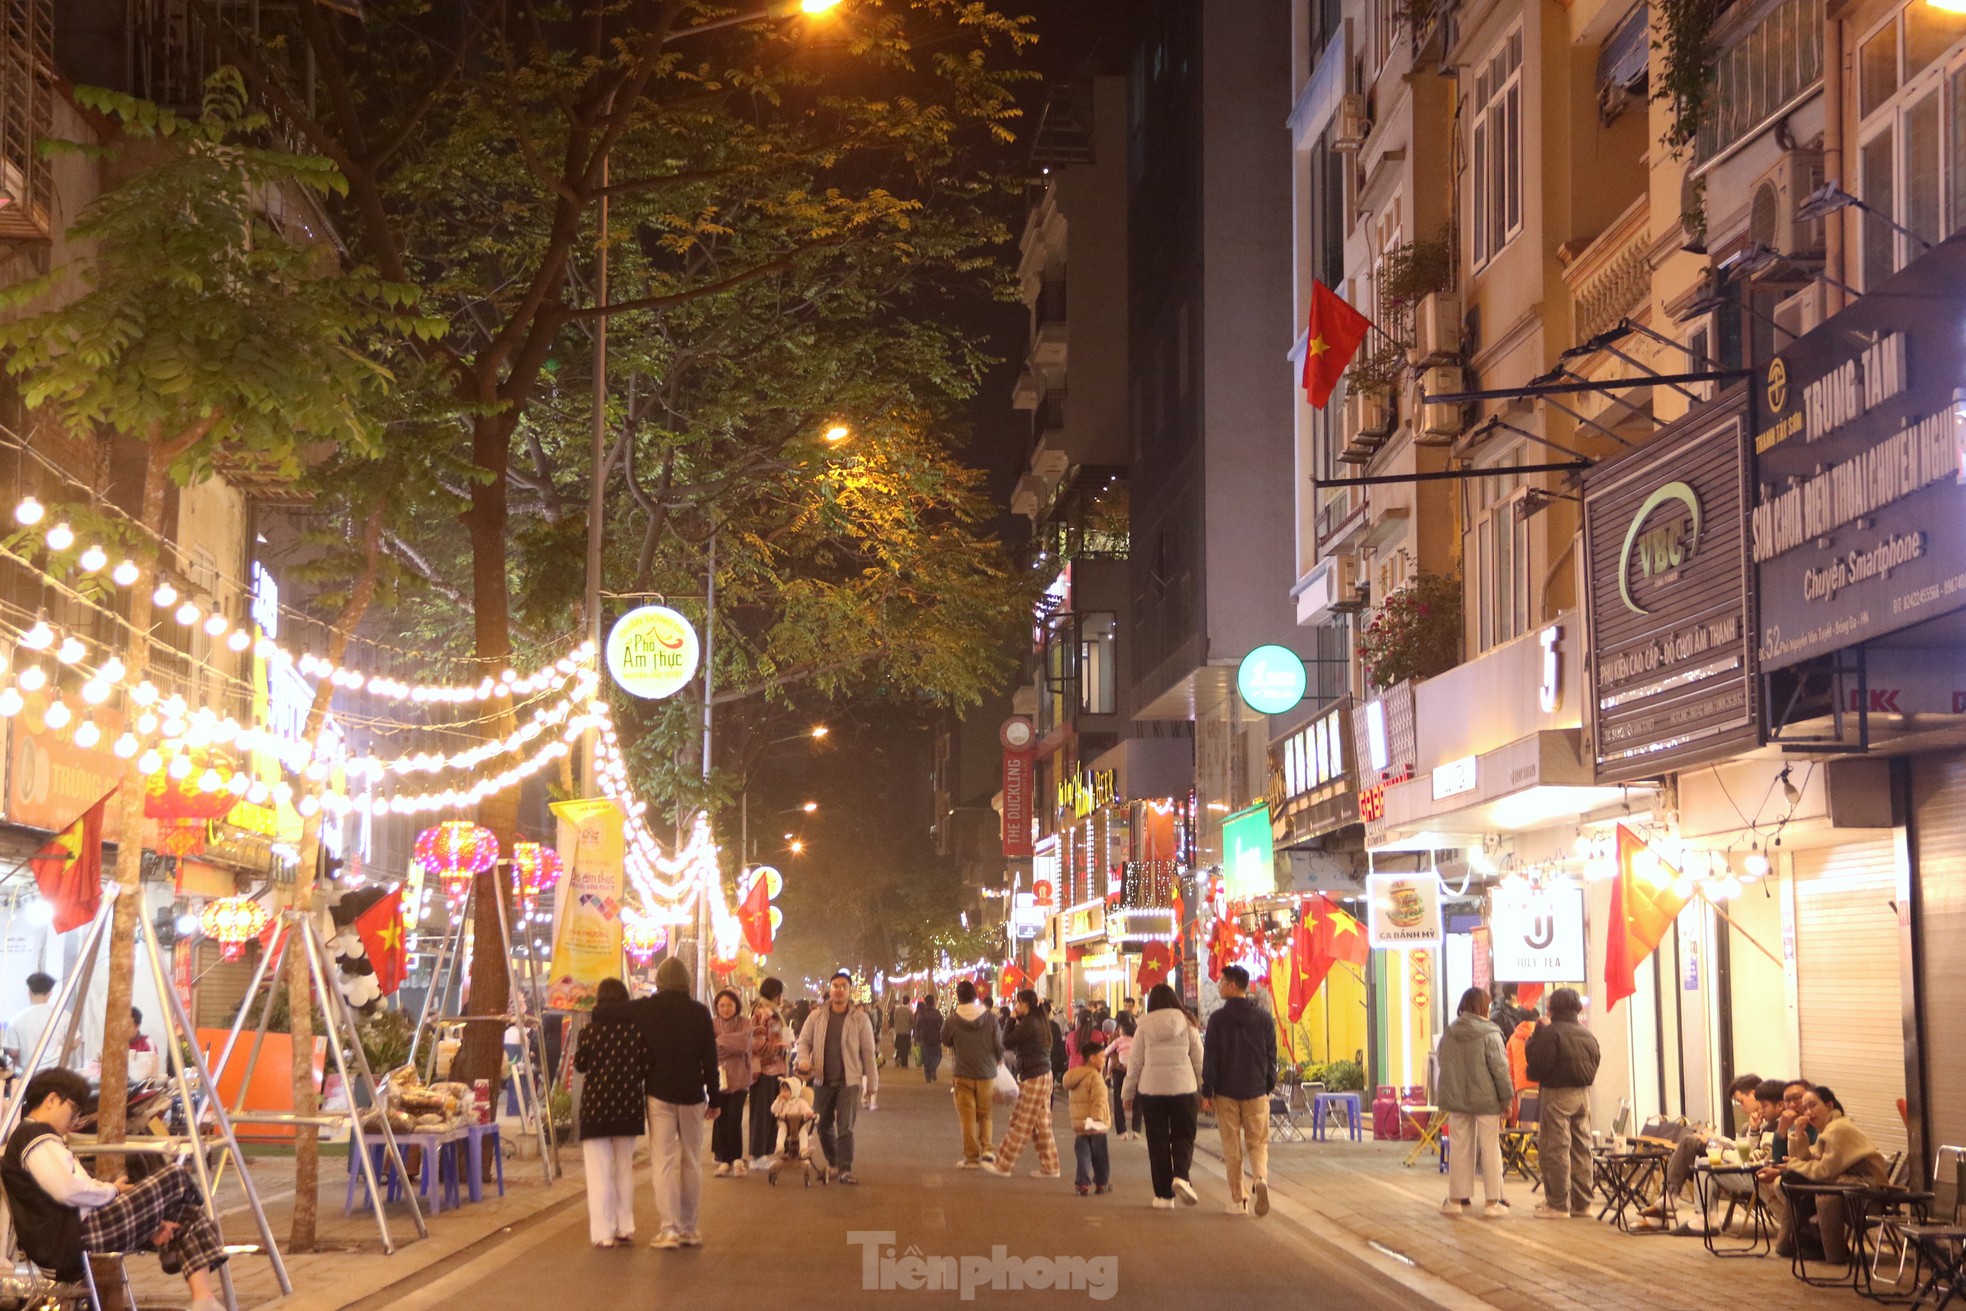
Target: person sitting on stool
60, 1212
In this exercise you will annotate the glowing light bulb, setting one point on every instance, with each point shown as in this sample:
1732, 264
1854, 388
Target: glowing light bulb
147, 723
257, 793
145, 694
93, 559
215, 625
150, 762
164, 595
57, 715
38, 638
11, 702
1756, 864
71, 650
187, 924
180, 767
239, 640
237, 785
126, 746
28, 512
187, 614
61, 537
209, 781
95, 691
33, 678
124, 573
87, 734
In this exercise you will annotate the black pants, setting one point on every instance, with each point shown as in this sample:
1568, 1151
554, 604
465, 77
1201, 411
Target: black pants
931, 1060
901, 1042
1170, 1137
727, 1131
764, 1129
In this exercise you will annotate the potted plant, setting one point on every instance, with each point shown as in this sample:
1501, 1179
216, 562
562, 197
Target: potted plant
1415, 633
1416, 286
1373, 377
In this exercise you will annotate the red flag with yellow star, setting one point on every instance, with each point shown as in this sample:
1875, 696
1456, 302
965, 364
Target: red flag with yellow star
69, 869
1337, 330
1643, 908
381, 929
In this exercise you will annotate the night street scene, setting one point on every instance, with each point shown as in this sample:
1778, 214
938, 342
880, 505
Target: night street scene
1045, 653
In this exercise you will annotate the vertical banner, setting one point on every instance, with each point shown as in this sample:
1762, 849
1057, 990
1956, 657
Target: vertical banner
587, 934
1019, 791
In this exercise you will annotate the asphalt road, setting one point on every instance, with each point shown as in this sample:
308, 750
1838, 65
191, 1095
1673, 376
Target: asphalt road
816, 1247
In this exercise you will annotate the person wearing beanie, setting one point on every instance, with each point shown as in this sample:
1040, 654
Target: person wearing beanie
679, 1075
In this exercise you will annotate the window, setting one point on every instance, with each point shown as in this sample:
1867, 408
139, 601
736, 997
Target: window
1758, 77
1501, 555
1498, 149
1911, 145
1098, 664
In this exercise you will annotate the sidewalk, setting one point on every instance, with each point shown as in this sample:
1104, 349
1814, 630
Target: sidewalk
1360, 1196
349, 1263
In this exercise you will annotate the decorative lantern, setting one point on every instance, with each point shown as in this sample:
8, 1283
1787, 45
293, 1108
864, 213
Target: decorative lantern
232, 922
642, 939
177, 796
536, 867
456, 851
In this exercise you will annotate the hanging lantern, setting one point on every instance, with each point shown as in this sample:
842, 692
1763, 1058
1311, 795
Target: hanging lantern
232, 922
536, 867
642, 939
455, 852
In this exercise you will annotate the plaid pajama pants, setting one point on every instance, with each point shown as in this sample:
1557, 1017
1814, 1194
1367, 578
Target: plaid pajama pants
1031, 1118
129, 1223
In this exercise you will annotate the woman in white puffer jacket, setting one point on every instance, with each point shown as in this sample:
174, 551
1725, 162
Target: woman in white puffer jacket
1163, 1072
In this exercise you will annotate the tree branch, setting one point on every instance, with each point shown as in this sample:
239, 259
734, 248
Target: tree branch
781, 264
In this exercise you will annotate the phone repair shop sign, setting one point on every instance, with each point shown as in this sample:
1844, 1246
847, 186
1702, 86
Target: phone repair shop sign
1538, 934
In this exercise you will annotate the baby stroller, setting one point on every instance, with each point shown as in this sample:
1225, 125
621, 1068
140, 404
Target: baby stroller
795, 1116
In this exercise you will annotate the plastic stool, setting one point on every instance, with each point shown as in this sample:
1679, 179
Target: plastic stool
476, 1136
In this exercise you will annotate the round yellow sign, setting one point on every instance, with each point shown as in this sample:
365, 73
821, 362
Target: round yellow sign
652, 652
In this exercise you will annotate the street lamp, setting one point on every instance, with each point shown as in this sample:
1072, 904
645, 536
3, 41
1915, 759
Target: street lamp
820, 730
797, 847
838, 433
809, 807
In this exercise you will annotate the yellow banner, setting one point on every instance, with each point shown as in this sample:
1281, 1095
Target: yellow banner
587, 935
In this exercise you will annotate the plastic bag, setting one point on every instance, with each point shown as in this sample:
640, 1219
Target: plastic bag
1005, 1091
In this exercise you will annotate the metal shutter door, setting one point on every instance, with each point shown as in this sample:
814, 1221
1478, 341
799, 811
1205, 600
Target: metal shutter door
1848, 990
220, 988
1938, 807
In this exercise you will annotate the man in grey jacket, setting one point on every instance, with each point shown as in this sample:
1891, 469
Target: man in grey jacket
971, 1032
836, 1051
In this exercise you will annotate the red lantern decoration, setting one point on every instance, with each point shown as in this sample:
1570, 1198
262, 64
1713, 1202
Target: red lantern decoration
232, 922
535, 867
455, 852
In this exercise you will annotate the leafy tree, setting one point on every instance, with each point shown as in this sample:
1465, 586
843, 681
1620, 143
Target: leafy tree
789, 204
218, 339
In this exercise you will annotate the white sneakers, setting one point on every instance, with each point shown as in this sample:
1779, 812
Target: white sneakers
991, 1167
1495, 1211
1186, 1192
1546, 1212
967, 1164
1163, 1203
1047, 1174
723, 1170
740, 1167
1260, 1197
1453, 1207
1237, 1208
668, 1240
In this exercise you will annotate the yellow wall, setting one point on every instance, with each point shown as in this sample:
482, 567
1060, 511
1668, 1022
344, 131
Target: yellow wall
1333, 1025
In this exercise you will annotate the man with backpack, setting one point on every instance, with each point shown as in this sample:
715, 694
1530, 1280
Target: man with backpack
1238, 1074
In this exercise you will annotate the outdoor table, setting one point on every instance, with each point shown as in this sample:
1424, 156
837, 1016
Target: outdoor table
1623, 1178
437, 1173
1874, 1201
1429, 1131
1707, 1188
1798, 1262
1943, 1250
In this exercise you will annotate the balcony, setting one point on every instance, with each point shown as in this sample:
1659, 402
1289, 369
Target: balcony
26, 116
1049, 335
1611, 278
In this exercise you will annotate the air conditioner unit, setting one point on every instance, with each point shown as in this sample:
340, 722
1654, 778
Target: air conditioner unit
1354, 124
1441, 421
1800, 313
1772, 220
1437, 328
1330, 589
1368, 413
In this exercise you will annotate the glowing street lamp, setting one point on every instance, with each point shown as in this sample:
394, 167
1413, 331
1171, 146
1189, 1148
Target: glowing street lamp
809, 807
838, 433
798, 847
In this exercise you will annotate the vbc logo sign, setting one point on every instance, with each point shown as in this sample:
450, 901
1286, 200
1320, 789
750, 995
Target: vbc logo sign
1661, 548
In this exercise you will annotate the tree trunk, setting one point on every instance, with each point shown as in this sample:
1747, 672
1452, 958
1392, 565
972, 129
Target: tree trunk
117, 1025
482, 1053
300, 997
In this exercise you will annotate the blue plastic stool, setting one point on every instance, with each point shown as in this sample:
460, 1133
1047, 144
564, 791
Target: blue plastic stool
476, 1136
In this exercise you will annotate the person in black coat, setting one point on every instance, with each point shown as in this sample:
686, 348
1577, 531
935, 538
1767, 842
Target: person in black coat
613, 1112
679, 1073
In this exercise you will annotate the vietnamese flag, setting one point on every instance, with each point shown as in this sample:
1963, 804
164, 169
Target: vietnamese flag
1335, 334
69, 869
1340, 936
1308, 966
1643, 907
1038, 963
754, 914
1010, 980
380, 928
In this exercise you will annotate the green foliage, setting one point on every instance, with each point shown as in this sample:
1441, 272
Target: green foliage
1415, 632
1378, 367
385, 1037
1416, 270
1339, 1076
1687, 56
205, 327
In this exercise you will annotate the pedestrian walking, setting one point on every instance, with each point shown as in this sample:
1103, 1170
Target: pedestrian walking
1163, 1076
1029, 1039
679, 1074
1126, 1125
928, 1037
1087, 1105
768, 1068
835, 1055
1238, 1074
613, 1112
733, 1083
901, 1020
1474, 1089
971, 1033
1563, 1058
